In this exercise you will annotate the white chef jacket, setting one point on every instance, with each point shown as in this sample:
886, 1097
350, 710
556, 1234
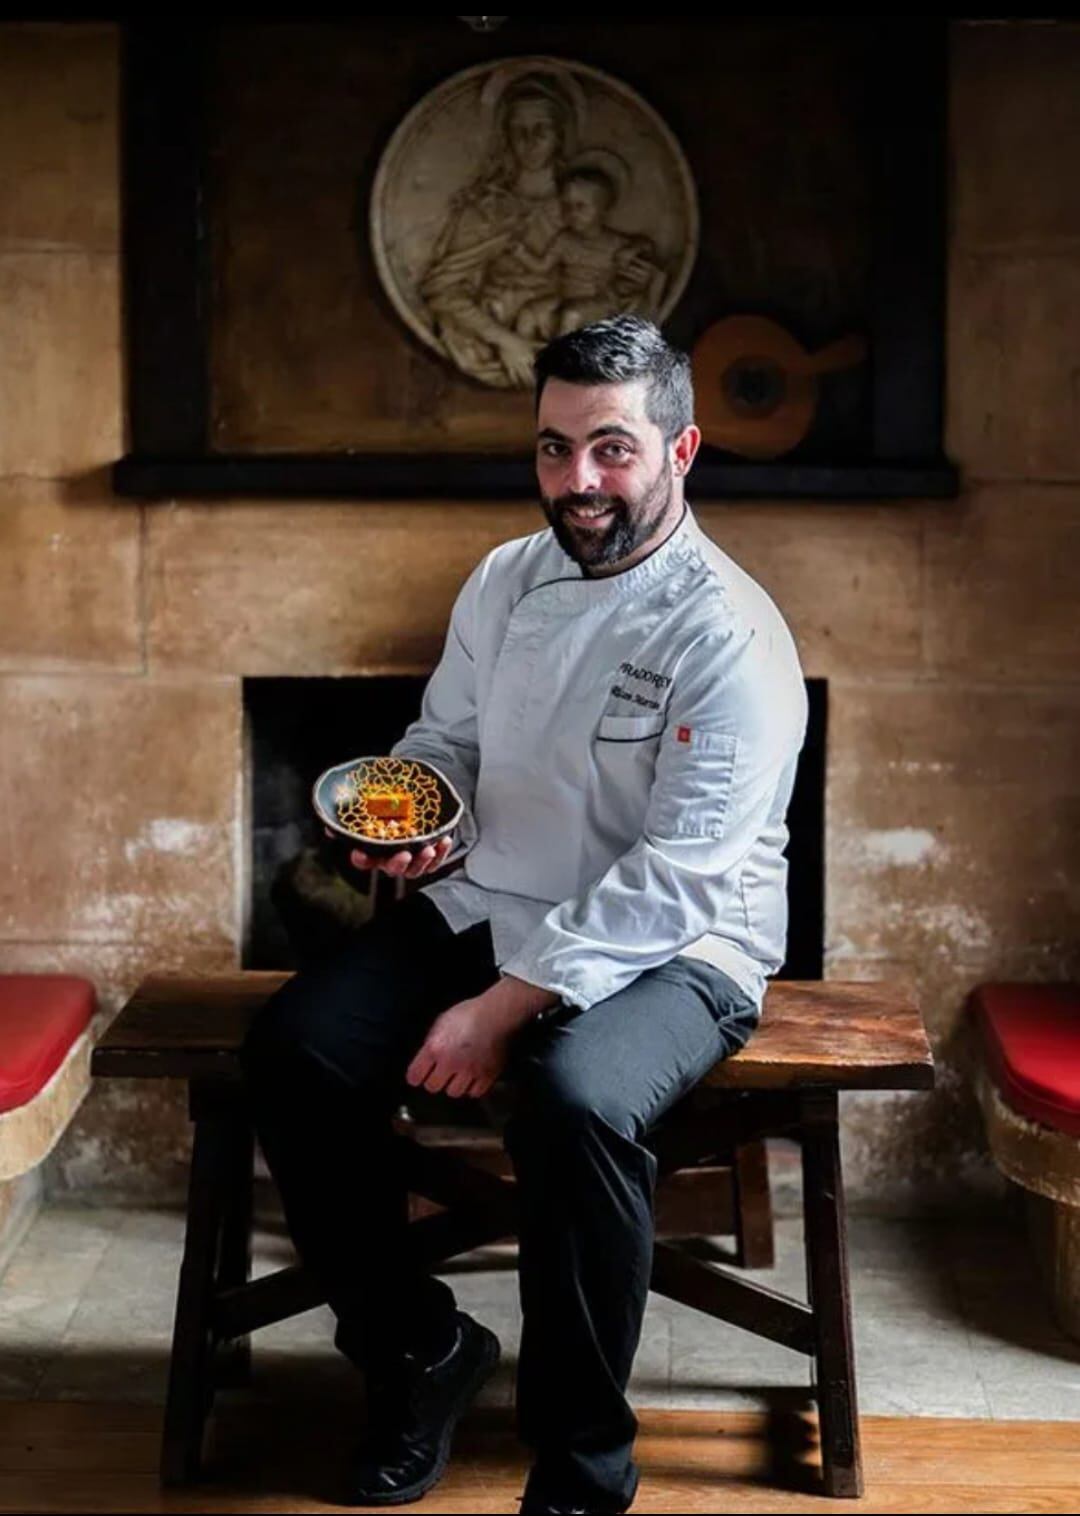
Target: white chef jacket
625, 746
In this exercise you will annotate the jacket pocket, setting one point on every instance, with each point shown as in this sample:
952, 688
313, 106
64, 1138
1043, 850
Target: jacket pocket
624, 752
629, 728
695, 774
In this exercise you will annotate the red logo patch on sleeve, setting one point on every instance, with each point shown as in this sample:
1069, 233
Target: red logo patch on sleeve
683, 734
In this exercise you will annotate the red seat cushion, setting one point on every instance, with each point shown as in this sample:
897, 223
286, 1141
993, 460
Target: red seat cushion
40, 1017
1031, 1033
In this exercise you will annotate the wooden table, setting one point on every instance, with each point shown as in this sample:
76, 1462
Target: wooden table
815, 1040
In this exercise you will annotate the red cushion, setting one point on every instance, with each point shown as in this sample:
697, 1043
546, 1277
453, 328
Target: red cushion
1031, 1033
40, 1017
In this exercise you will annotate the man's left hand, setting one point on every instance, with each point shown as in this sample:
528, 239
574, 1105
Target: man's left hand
467, 1046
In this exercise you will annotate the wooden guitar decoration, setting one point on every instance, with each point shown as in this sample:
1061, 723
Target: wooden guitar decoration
755, 385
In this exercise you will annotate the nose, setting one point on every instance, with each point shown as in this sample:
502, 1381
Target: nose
583, 476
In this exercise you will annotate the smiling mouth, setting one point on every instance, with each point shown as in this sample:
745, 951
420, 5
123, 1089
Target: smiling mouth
580, 516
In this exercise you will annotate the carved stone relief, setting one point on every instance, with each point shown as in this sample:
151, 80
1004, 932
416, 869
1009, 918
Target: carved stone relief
521, 199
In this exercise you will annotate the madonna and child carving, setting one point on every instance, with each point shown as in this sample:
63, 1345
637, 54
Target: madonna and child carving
521, 199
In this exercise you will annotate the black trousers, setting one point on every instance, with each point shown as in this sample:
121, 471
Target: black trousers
325, 1062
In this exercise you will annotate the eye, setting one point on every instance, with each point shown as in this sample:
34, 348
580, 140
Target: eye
615, 450
553, 449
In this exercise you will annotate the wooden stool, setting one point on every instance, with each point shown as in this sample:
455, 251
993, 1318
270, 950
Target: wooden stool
1028, 1084
815, 1039
46, 1038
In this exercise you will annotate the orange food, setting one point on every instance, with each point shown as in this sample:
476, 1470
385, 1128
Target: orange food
390, 805
389, 798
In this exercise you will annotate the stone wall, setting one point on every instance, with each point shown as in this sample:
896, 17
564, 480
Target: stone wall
947, 630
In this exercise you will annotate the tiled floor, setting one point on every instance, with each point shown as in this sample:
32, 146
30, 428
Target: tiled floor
949, 1321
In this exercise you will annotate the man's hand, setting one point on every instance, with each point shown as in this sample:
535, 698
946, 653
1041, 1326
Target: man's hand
466, 1048
403, 864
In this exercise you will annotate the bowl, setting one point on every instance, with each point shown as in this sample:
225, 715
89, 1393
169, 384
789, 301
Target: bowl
438, 805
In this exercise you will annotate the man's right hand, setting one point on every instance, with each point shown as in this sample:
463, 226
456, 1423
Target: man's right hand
404, 864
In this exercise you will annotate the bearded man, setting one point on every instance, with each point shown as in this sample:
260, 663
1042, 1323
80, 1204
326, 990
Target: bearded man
622, 708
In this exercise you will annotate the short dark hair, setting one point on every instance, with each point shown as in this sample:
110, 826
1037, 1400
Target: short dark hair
616, 350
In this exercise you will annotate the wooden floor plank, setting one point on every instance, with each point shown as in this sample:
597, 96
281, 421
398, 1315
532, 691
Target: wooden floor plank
100, 1493
83, 1457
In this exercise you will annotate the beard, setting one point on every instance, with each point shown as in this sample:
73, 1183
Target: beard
636, 519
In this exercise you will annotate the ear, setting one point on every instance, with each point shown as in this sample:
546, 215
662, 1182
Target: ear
684, 449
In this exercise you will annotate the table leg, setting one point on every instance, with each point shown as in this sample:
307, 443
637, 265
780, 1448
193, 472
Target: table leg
234, 1262
190, 1389
829, 1292
754, 1247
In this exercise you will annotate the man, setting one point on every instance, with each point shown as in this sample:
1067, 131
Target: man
622, 707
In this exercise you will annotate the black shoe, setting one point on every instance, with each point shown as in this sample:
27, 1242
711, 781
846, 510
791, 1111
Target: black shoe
542, 1507
551, 1505
412, 1412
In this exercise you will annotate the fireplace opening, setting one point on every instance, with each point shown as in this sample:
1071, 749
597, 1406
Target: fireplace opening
299, 907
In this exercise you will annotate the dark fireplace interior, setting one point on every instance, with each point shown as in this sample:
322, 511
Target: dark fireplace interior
299, 907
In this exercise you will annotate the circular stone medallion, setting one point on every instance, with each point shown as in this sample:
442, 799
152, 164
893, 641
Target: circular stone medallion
523, 198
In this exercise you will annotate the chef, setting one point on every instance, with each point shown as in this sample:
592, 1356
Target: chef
621, 708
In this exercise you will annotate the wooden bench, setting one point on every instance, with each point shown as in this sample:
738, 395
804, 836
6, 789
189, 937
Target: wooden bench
815, 1039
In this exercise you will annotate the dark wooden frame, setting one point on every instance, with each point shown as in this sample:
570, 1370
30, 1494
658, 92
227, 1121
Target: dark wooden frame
167, 282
